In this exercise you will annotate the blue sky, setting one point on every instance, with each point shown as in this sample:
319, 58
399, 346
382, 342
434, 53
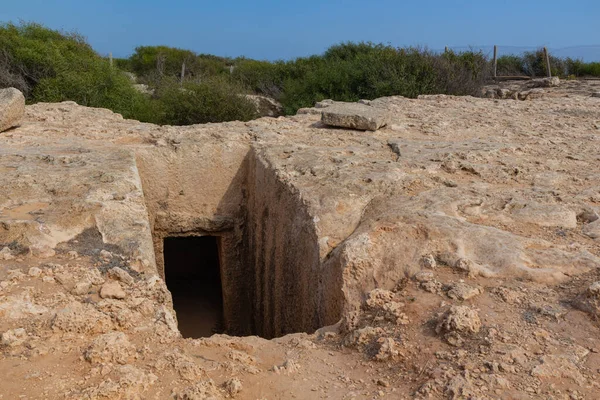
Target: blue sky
287, 29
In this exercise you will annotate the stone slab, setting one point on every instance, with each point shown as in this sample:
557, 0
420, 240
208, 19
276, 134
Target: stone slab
354, 116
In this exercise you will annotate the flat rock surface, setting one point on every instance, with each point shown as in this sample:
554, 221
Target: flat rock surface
460, 240
354, 116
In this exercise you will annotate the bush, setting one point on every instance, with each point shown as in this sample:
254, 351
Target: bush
262, 77
52, 66
510, 65
212, 100
152, 63
534, 64
349, 72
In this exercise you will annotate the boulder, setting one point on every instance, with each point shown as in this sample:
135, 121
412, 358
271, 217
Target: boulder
354, 116
545, 82
265, 106
12, 108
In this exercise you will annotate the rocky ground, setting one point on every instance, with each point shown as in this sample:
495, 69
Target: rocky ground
462, 237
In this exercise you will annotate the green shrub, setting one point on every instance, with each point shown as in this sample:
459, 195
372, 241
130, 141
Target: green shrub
351, 71
212, 100
534, 64
590, 69
162, 60
152, 63
124, 64
262, 77
55, 66
510, 65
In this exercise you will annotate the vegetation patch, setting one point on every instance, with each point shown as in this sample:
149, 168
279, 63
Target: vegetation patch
183, 87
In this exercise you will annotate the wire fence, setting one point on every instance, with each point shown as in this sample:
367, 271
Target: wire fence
589, 53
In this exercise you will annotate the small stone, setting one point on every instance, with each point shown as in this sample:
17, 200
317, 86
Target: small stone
42, 251
592, 229
233, 386
383, 382
388, 349
82, 288
324, 103
588, 216
120, 274
34, 272
424, 276
15, 275
105, 254
462, 291
6, 254
112, 290
428, 261
460, 319
73, 254
13, 337
596, 94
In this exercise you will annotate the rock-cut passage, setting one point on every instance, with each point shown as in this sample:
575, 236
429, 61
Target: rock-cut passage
192, 272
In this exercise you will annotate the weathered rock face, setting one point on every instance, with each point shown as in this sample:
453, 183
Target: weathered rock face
266, 106
453, 239
12, 108
353, 115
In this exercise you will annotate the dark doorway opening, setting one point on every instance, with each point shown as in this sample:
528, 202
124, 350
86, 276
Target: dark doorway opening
192, 272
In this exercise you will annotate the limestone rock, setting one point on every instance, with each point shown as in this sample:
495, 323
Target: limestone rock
82, 287
77, 317
308, 111
463, 291
545, 215
12, 108
121, 275
324, 103
183, 364
203, 390
288, 367
545, 82
589, 300
6, 254
557, 366
112, 290
232, 386
265, 106
388, 349
130, 383
13, 337
113, 347
592, 229
458, 321
354, 116
34, 272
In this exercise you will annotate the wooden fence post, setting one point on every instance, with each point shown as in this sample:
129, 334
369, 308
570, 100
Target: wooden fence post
495, 62
548, 70
110, 60
182, 72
